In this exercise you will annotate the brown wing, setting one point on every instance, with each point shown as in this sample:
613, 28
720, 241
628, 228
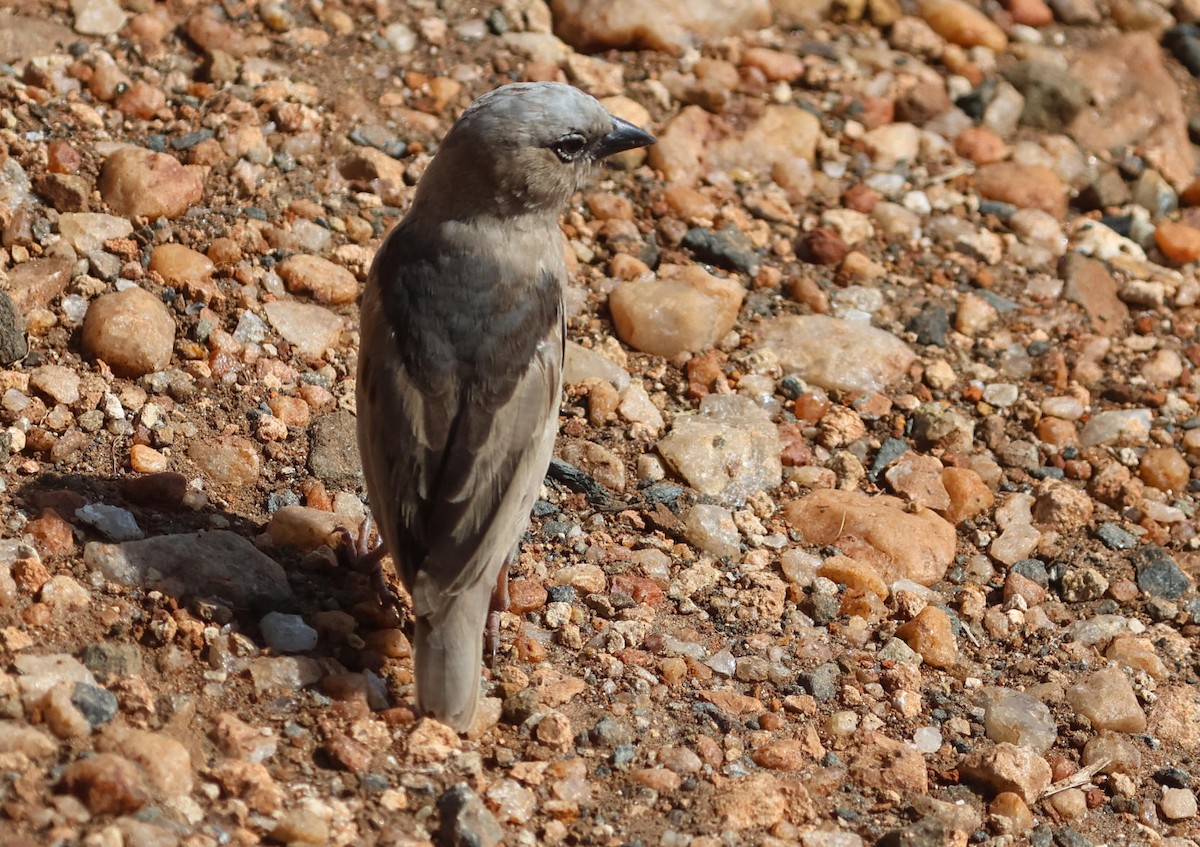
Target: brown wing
459, 381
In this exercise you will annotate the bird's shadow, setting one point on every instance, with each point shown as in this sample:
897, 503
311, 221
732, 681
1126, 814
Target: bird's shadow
207, 560
214, 563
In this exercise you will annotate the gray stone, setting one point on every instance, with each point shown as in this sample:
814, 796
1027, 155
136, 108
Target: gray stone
711, 528
1076, 11
1106, 191
14, 181
582, 363
333, 450
287, 633
1184, 43
1155, 194
466, 821
1157, 573
727, 248
1053, 97
1033, 570
935, 424
1115, 538
930, 325
821, 682
107, 660
198, 564
897, 651
310, 328
1018, 718
14, 345
112, 522
610, 733
98, 705
1067, 837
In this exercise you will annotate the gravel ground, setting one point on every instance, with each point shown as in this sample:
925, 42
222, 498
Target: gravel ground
874, 512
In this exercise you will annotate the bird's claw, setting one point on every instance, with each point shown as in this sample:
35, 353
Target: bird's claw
355, 551
498, 605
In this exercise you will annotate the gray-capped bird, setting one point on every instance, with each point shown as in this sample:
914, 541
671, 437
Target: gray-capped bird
460, 364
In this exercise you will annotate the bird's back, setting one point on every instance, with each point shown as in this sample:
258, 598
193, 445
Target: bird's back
461, 362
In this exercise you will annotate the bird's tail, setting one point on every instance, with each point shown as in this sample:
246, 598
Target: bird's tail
447, 656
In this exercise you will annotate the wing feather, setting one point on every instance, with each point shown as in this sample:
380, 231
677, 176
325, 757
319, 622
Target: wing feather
461, 423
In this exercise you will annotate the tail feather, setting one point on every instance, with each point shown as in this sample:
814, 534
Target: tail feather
447, 654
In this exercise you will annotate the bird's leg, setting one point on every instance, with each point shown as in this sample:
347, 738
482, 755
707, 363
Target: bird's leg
498, 605
355, 551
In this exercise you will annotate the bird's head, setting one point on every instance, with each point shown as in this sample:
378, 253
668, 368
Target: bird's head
527, 147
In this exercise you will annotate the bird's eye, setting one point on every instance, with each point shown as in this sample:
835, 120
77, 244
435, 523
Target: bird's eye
569, 147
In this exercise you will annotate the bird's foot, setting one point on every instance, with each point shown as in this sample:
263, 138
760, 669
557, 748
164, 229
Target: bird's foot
499, 605
355, 551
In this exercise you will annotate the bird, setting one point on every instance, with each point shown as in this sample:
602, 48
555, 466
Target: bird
459, 378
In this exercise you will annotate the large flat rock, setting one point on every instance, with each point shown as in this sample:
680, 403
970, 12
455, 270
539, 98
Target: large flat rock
199, 564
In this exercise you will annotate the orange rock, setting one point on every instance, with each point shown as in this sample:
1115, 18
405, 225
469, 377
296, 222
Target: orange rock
918, 479
525, 596
52, 534
107, 784
899, 544
293, 411
136, 182
1016, 585
962, 24
733, 703
318, 277
811, 407
860, 198
1107, 699
641, 589
969, 495
131, 330
62, 158
980, 145
879, 762
1179, 243
141, 100
1007, 768
1138, 654
658, 779
689, 203
931, 634
1057, 431
776, 65
1024, 186
788, 754
179, 265
29, 575
877, 111
392, 643
673, 670
145, 459
1165, 469
1191, 194
529, 649
1030, 12
1011, 806
853, 574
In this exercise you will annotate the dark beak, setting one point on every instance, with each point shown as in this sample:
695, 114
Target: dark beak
624, 136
